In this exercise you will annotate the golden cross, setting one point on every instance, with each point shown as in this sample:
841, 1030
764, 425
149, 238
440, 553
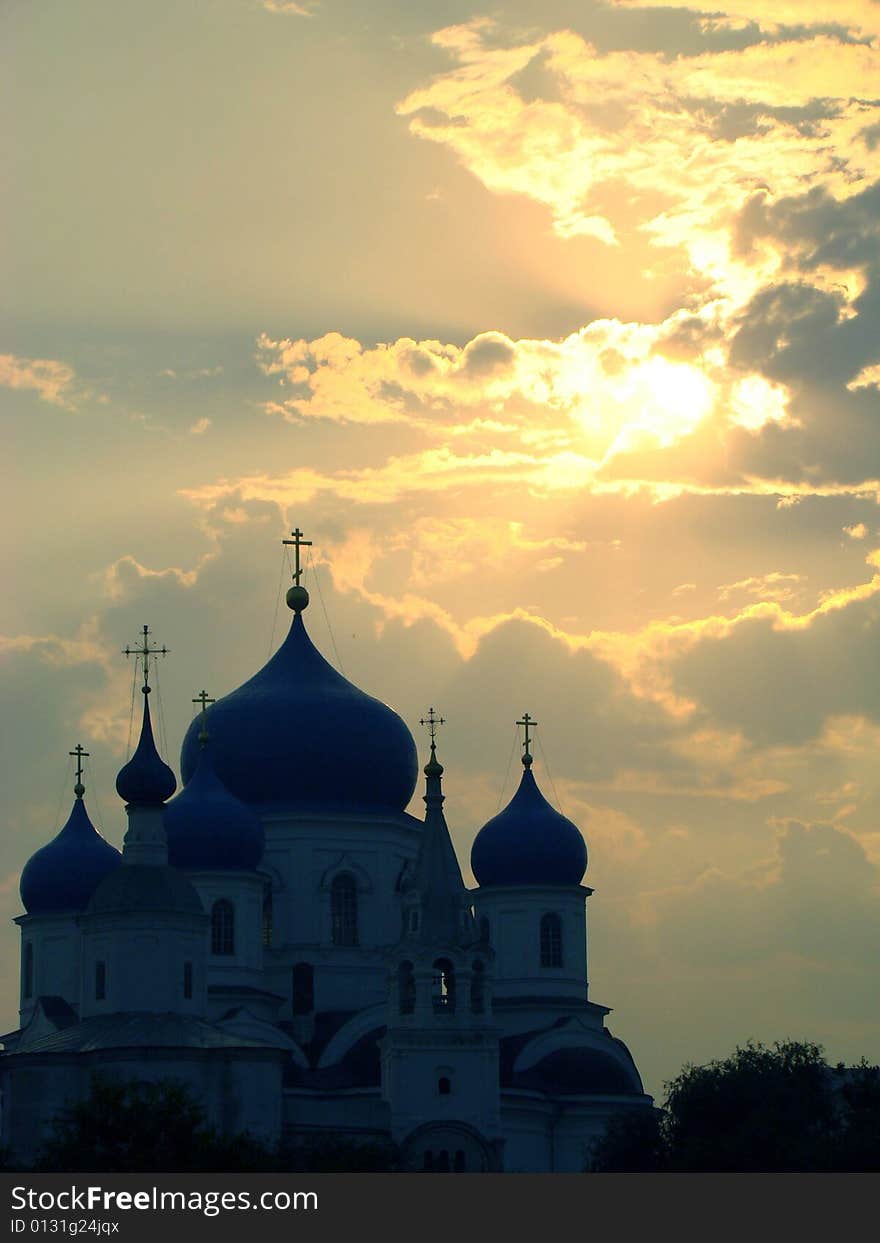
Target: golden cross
298, 542
146, 652
527, 722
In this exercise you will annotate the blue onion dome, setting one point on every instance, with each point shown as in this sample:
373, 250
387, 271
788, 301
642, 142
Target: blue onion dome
146, 778
63, 875
299, 735
529, 843
207, 827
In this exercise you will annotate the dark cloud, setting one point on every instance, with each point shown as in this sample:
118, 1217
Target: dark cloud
791, 903
816, 228
488, 354
591, 725
779, 686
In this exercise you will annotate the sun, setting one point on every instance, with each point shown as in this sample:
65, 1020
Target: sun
651, 402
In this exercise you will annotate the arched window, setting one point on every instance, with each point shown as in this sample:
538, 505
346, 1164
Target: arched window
223, 927
187, 981
100, 981
484, 930
443, 986
478, 987
29, 970
343, 910
303, 999
428, 1161
267, 917
443, 1162
444, 1086
406, 988
459, 1165
551, 940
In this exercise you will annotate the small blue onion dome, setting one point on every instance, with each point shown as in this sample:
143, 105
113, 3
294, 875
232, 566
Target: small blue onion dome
63, 875
207, 827
529, 843
146, 778
299, 734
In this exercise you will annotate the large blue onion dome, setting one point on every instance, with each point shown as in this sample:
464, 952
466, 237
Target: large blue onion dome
63, 875
146, 778
529, 843
298, 734
208, 828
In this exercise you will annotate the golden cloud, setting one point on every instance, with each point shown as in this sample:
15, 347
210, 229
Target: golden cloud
858, 15
289, 8
639, 137
611, 390
868, 377
53, 381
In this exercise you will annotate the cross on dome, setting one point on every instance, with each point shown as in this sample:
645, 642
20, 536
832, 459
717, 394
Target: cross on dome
80, 753
433, 769
297, 542
145, 652
297, 596
432, 721
204, 699
527, 722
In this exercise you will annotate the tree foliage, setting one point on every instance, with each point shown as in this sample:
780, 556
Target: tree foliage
129, 1126
134, 1126
778, 1109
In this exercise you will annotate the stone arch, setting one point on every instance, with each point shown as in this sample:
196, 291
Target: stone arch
345, 863
361, 1024
453, 1137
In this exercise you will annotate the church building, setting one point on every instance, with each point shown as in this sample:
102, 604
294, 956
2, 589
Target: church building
287, 939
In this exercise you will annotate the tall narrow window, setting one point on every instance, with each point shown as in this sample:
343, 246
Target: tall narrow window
267, 917
223, 927
444, 1086
188, 981
478, 987
29, 970
100, 981
406, 986
343, 910
459, 1166
303, 998
551, 940
443, 990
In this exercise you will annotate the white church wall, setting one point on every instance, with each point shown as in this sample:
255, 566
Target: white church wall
55, 949
526, 1120
414, 1062
514, 915
305, 853
159, 946
245, 891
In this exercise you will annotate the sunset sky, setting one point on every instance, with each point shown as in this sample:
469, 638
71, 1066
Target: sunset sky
557, 329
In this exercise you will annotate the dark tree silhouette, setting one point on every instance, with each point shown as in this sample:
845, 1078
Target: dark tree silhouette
634, 1143
779, 1109
129, 1126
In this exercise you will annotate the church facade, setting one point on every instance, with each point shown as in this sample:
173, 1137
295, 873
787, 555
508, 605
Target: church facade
287, 939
